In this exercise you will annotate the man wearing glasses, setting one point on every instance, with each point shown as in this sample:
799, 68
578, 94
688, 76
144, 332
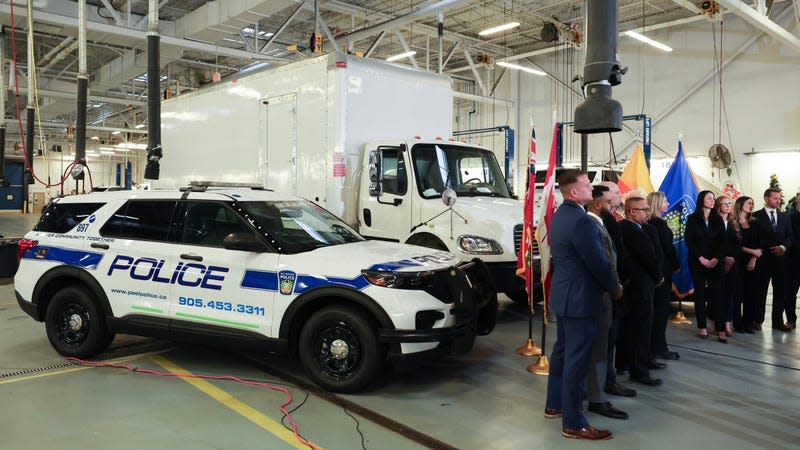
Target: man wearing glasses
645, 274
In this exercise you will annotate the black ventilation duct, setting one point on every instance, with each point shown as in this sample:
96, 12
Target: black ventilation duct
549, 32
600, 113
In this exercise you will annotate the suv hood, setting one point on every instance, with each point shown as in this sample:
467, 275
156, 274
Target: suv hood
351, 259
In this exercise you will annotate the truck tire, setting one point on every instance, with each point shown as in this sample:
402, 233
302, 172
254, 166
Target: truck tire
74, 324
339, 349
427, 240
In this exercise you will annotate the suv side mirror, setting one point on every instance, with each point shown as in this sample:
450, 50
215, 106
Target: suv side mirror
243, 241
375, 173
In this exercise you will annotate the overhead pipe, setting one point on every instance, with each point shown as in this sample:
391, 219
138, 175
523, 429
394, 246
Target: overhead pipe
27, 179
600, 113
154, 153
83, 91
3, 182
440, 34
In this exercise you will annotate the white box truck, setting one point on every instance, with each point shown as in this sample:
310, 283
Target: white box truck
365, 139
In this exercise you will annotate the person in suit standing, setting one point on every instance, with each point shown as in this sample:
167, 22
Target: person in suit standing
794, 266
612, 226
581, 273
658, 343
751, 252
596, 378
644, 269
731, 281
705, 244
776, 239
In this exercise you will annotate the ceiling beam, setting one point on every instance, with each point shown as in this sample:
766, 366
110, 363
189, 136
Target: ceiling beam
761, 22
688, 5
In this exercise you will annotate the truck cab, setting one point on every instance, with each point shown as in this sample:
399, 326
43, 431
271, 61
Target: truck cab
445, 195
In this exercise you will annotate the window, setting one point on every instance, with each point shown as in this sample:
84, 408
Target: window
394, 172
469, 171
147, 220
209, 223
62, 217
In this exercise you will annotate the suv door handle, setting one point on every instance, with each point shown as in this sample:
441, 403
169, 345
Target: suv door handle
98, 245
192, 257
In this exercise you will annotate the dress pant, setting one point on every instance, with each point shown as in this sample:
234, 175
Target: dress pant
731, 290
569, 363
793, 279
596, 378
640, 326
658, 341
613, 332
771, 268
707, 290
749, 284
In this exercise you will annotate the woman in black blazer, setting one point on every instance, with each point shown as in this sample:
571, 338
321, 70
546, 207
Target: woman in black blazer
658, 343
751, 252
723, 312
705, 237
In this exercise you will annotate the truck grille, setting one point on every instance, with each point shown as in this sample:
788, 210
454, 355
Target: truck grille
518, 240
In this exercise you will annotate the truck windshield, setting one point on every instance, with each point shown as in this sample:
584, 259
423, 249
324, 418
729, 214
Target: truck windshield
469, 171
300, 226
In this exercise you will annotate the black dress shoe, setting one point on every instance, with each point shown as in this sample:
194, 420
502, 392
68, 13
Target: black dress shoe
655, 365
780, 327
622, 391
669, 355
608, 410
646, 380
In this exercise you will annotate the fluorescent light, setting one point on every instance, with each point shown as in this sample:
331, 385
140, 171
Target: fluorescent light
95, 138
522, 68
131, 145
115, 133
401, 56
647, 40
102, 149
140, 126
106, 152
499, 28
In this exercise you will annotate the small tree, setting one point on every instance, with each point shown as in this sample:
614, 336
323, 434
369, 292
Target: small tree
775, 184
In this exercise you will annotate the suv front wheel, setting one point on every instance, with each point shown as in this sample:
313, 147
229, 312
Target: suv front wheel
74, 324
339, 349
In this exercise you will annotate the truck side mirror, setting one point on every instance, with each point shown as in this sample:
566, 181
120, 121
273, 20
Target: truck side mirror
375, 173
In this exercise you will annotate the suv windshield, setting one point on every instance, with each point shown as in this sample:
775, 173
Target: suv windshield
469, 171
300, 226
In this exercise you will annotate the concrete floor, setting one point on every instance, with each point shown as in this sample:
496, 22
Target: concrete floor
735, 396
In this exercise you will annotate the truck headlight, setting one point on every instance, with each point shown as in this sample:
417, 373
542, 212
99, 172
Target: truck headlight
479, 246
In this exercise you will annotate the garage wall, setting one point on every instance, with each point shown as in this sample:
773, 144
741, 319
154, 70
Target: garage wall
760, 89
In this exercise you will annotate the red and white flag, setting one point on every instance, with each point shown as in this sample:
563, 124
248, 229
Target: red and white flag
525, 254
544, 219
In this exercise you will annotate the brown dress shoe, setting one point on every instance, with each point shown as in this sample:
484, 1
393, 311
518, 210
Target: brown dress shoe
589, 432
791, 325
757, 326
552, 413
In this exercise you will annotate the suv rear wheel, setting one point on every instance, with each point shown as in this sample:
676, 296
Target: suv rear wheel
339, 349
74, 324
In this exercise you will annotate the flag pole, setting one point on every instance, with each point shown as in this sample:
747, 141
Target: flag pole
529, 348
542, 365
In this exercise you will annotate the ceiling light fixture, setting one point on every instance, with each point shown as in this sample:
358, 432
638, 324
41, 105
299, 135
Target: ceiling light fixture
116, 133
499, 28
647, 40
140, 126
522, 68
401, 56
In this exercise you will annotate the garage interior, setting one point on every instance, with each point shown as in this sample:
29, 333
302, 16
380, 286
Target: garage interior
730, 77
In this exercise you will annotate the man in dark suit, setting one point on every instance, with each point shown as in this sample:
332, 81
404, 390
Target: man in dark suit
612, 226
776, 239
793, 276
596, 378
644, 269
581, 273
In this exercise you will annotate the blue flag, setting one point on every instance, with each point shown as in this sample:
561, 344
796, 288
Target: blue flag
681, 191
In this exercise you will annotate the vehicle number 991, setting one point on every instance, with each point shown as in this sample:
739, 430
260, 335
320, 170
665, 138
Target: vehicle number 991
222, 306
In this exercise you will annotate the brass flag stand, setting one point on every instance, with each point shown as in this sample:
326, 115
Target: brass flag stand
542, 365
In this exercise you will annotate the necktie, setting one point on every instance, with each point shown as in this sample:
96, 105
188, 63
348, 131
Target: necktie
772, 219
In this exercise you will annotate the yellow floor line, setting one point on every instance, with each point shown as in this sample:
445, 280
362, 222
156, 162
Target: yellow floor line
75, 369
234, 404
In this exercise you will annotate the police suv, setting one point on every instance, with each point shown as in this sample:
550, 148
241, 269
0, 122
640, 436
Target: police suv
245, 266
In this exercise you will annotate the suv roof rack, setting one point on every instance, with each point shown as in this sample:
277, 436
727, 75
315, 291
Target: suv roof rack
203, 185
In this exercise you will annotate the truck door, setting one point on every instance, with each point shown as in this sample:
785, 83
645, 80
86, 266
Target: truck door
388, 215
280, 127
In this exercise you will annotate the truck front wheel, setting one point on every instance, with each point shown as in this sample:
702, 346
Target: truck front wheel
339, 349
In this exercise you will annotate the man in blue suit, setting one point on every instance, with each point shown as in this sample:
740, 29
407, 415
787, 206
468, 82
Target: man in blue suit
582, 272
